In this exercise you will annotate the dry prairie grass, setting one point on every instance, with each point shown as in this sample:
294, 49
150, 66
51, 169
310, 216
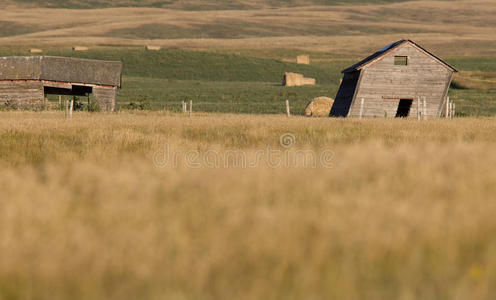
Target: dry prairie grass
407, 211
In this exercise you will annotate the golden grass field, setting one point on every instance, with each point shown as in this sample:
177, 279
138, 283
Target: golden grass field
405, 210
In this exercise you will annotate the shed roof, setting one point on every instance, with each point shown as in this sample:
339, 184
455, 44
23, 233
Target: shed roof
63, 69
384, 51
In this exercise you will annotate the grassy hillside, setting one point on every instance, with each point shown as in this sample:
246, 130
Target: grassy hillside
350, 27
233, 29
191, 5
196, 65
219, 96
12, 28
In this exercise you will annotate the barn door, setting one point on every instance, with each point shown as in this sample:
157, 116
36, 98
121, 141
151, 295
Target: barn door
404, 107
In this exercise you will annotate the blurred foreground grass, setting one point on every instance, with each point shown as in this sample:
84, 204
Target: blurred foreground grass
405, 211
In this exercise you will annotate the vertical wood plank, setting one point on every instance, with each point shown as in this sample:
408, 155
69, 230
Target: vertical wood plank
447, 107
418, 108
425, 109
190, 107
288, 112
361, 107
113, 104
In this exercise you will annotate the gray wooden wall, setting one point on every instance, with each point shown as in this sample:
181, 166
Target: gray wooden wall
28, 94
21, 94
382, 84
106, 97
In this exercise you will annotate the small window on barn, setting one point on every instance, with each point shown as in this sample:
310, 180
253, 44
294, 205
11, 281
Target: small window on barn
401, 60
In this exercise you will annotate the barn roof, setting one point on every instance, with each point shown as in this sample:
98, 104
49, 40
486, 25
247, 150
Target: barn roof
384, 51
62, 69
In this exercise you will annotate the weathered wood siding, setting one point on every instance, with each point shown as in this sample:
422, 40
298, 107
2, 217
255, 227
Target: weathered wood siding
106, 97
22, 94
61, 69
383, 83
344, 97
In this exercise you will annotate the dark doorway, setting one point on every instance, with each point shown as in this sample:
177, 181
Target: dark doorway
404, 108
76, 90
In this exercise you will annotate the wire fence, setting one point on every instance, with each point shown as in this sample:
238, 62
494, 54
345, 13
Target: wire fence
277, 106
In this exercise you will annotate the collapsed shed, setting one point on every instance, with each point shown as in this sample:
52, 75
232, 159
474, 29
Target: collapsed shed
400, 80
24, 81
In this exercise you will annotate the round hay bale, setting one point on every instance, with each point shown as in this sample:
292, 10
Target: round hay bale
319, 107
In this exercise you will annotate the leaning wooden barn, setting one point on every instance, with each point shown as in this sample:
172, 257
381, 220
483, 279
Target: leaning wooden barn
400, 80
24, 81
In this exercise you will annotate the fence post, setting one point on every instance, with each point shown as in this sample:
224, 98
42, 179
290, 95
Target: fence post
288, 112
361, 107
66, 108
190, 107
447, 107
71, 108
425, 109
60, 101
454, 110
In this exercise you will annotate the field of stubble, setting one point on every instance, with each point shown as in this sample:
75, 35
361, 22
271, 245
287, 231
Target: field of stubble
402, 210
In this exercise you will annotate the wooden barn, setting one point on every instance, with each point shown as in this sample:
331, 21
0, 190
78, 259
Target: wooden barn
24, 81
400, 80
